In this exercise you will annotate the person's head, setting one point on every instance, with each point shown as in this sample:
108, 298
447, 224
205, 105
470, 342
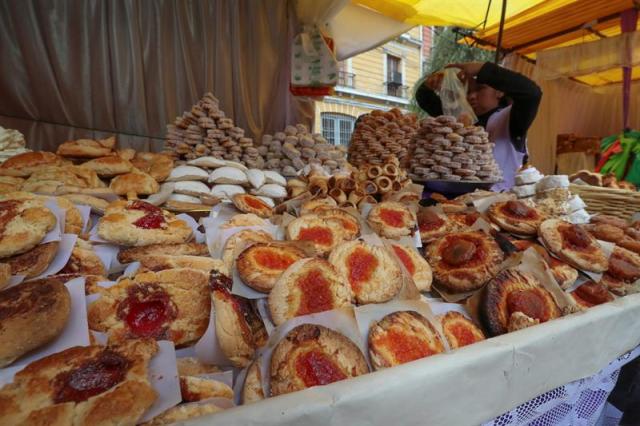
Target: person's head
483, 98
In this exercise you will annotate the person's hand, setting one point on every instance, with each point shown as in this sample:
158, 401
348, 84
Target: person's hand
468, 70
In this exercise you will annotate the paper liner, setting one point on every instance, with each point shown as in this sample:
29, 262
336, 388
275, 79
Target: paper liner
85, 212
409, 291
198, 236
65, 247
108, 255
94, 237
239, 288
533, 264
14, 280
607, 248
56, 233
163, 376
75, 332
217, 239
263, 309
225, 377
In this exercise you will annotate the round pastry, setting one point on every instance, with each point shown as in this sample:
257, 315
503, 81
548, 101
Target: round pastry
401, 337
624, 270
167, 305
605, 232
251, 204
516, 217
308, 286
323, 233
372, 273
138, 223
248, 219
432, 225
463, 221
239, 328
564, 274
33, 314
514, 292
574, 245
261, 264
464, 261
88, 385
591, 294
134, 183
313, 355
22, 227
350, 224
35, 261
133, 254
415, 265
459, 330
73, 222
246, 236
391, 219
252, 390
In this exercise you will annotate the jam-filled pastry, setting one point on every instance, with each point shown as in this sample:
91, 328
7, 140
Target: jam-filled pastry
573, 244
516, 217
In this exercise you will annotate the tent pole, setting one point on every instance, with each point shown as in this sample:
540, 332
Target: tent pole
628, 22
500, 31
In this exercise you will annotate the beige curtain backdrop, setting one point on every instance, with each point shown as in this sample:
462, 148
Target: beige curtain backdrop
84, 68
570, 107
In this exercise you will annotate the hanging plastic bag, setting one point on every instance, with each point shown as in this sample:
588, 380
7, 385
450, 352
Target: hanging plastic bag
453, 94
314, 68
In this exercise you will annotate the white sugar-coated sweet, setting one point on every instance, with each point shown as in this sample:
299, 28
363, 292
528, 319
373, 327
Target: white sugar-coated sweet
576, 203
552, 181
226, 191
523, 191
274, 177
183, 198
579, 216
187, 173
191, 188
257, 178
268, 200
271, 190
528, 176
208, 162
228, 175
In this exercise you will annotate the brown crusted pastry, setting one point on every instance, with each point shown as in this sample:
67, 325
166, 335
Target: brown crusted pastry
463, 221
73, 218
624, 270
251, 204
308, 286
605, 232
516, 217
591, 178
246, 237
464, 261
109, 166
22, 165
160, 262
10, 184
126, 153
189, 366
591, 294
610, 181
564, 274
372, 273
323, 233
520, 321
609, 220
239, 328
134, 254
459, 330
33, 262
449, 206
248, 219
5, 275
22, 226
629, 186
90, 385
315, 204
135, 182
391, 219
63, 175
197, 388
84, 260
514, 291
432, 225
313, 355
159, 166
167, 305
349, 223
415, 265
87, 148
261, 264
574, 245
33, 314
252, 390
138, 223
402, 337
98, 205
182, 412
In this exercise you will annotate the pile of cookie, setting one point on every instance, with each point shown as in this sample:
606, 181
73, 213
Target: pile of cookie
291, 150
446, 149
11, 143
381, 136
207, 131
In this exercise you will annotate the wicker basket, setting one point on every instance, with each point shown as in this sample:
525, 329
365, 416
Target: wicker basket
616, 202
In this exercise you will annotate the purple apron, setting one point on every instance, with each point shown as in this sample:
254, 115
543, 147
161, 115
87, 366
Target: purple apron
508, 158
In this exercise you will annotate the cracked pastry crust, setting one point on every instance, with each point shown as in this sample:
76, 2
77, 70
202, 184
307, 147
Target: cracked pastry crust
261, 264
324, 233
308, 286
134, 183
87, 148
109, 166
573, 244
371, 271
313, 355
168, 305
433, 225
349, 223
564, 274
84, 261
159, 166
138, 223
459, 330
88, 385
22, 165
516, 217
133, 254
22, 226
245, 238
73, 219
513, 291
33, 262
391, 219
251, 204
464, 261
415, 265
402, 337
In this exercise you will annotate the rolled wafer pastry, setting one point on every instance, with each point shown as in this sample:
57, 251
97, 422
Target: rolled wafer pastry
384, 184
374, 171
355, 196
318, 186
390, 170
347, 185
396, 186
348, 204
338, 195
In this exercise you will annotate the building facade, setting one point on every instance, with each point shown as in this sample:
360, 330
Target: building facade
382, 78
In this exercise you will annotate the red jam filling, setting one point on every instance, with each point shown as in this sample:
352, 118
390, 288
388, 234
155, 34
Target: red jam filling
428, 221
519, 209
593, 293
575, 237
528, 302
316, 368
91, 378
315, 294
273, 259
146, 312
361, 265
463, 334
459, 252
405, 258
144, 206
150, 221
255, 203
394, 218
622, 269
317, 234
404, 347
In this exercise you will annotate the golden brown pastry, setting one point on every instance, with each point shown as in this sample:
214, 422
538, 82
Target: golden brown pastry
390, 219
197, 389
22, 165
251, 204
10, 184
159, 166
574, 245
261, 264
463, 221
624, 270
33, 262
248, 219
87, 148
243, 238
73, 218
134, 183
252, 390
5, 275
564, 274
449, 206
161, 262
109, 166
349, 223
313, 355
84, 260
133, 254
22, 226
323, 233
415, 265
516, 217
189, 366
591, 294
432, 225
459, 330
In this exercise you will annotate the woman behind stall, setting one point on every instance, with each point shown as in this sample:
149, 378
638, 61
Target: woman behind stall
505, 102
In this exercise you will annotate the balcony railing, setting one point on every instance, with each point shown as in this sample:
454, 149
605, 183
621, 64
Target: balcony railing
346, 79
396, 89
